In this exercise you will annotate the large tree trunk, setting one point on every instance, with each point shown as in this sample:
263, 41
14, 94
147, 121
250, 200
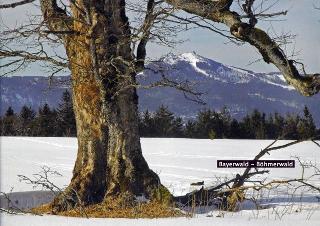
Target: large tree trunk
109, 160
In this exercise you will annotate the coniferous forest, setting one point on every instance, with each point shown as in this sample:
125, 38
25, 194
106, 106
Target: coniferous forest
48, 122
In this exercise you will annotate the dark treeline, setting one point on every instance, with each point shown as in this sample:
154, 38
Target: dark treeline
213, 124
163, 123
47, 122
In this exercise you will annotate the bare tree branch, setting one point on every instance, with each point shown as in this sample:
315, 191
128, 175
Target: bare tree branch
147, 25
15, 4
238, 181
307, 85
30, 56
264, 151
247, 8
56, 18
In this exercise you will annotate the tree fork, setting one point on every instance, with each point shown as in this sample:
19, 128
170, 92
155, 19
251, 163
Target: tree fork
109, 160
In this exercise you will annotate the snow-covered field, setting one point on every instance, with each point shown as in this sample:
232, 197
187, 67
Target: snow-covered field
178, 162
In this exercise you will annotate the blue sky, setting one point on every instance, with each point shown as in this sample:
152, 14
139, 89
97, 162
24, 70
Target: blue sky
302, 20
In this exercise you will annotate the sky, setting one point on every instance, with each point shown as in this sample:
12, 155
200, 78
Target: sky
302, 20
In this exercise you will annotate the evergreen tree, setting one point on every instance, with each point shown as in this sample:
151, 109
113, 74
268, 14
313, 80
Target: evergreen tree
235, 130
216, 126
246, 128
190, 130
290, 130
270, 128
306, 126
147, 125
257, 124
203, 124
177, 127
226, 122
9, 112
46, 121
26, 118
66, 123
261, 130
274, 126
279, 123
253, 126
165, 123
211, 124
9, 123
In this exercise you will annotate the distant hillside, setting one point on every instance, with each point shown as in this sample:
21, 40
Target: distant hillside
238, 89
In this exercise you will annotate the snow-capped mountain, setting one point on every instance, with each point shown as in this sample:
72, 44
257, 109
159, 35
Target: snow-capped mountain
222, 85
221, 72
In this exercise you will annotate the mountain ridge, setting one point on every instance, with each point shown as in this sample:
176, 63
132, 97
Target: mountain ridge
239, 89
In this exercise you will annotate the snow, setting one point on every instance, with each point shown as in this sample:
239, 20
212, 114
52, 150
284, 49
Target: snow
234, 75
4, 99
291, 104
243, 71
244, 76
276, 79
193, 59
278, 84
19, 97
281, 77
203, 221
178, 162
170, 59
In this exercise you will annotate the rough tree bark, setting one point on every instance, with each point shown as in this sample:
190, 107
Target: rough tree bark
98, 41
109, 160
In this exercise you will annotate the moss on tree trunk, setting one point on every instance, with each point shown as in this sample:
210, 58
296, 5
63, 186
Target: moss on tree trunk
109, 161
